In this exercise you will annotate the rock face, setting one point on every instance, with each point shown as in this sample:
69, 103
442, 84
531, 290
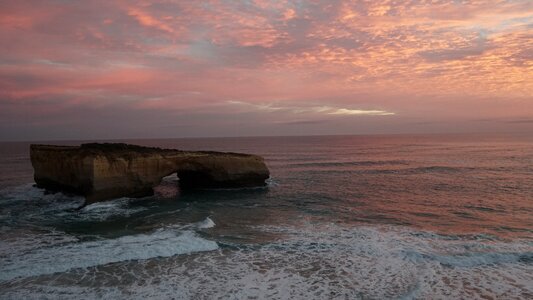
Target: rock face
105, 171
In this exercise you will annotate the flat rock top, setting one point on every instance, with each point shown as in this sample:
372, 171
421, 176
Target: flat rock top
122, 149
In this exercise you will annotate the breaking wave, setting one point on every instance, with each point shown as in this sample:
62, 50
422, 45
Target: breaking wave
314, 262
73, 255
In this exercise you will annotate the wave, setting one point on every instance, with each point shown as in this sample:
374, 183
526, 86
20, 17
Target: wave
439, 169
205, 224
349, 163
315, 261
27, 203
101, 211
472, 259
161, 243
392, 171
422, 170
28, 193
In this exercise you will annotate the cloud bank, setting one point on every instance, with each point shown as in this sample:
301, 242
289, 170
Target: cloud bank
108, 69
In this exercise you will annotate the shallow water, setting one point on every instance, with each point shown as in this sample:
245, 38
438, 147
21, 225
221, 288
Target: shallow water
357, 217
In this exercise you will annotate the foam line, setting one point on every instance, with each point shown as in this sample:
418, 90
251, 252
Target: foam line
162, 243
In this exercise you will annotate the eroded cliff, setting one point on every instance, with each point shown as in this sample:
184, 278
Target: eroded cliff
105, 171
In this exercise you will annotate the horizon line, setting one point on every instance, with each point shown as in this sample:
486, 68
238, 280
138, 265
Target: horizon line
513, 133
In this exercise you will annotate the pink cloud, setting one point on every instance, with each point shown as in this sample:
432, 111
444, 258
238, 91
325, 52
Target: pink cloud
147, 20
421, 60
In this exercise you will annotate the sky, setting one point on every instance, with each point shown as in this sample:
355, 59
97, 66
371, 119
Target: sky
108, 69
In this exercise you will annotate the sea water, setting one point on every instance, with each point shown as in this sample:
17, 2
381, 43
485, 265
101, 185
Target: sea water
342, 217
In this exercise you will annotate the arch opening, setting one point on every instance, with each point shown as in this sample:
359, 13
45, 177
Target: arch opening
168, 187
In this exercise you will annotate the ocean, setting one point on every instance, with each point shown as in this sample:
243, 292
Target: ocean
342, 217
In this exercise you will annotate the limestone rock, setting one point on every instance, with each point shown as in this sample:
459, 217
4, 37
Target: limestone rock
105, 171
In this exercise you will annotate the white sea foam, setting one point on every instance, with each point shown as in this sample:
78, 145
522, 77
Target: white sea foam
206, 223
313, 262
104, 210
48, 260
271, 182
33, 203
28, 193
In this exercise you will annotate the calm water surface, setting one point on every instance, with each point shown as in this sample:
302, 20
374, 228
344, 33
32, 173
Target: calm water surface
344, 217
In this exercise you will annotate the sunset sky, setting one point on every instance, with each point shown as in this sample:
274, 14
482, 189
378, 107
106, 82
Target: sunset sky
124, 69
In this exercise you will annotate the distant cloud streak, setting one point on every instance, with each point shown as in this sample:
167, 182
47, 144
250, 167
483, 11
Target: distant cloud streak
312, 109
344, 111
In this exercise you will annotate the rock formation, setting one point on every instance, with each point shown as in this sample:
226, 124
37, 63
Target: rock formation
105, 171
